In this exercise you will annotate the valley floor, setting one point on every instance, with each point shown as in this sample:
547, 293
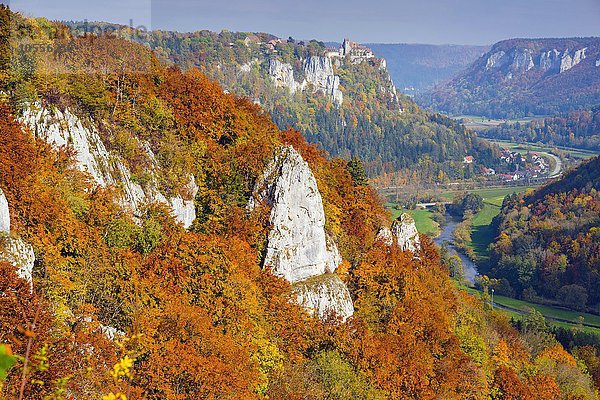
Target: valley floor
482, 236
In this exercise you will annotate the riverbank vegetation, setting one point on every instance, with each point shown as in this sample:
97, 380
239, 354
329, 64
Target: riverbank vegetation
548, 242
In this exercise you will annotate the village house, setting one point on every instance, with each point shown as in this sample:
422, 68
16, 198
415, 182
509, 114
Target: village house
271, 44
251, 39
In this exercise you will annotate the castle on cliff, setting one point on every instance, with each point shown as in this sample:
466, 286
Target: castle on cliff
353, 50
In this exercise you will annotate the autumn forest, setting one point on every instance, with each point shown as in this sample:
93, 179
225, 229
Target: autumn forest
130, 303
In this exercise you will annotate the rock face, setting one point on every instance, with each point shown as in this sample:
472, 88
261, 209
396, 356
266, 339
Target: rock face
567, 61
66, 129
18, 253
318, 72
283, 76
521, 60
324, 295
403, 233
14, 250
550, 60
494, 59
4, 215
298, 248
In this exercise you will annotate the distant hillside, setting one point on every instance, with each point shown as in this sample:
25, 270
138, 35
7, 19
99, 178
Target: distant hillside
575, 129
418, 67
521, 77
340, 97
548, 242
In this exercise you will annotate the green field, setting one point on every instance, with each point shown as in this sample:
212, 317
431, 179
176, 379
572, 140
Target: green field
489, 195
482, 233
423, 221
548, 312
484, 122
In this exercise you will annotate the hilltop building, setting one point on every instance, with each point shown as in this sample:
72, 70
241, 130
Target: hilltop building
355, 51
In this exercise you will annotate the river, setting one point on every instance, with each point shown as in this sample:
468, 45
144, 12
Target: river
469, 267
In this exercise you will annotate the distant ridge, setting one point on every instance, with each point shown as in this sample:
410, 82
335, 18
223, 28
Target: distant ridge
523, 77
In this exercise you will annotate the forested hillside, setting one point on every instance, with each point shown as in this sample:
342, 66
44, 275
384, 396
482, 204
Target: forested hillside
123, 302
575, 129
524, 77
548, 242
386, 129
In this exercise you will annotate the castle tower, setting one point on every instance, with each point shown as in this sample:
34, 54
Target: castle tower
346, 47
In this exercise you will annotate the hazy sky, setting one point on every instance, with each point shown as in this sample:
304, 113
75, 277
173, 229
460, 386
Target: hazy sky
390, 21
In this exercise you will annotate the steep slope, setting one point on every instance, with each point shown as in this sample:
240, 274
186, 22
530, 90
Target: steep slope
549, 241
342, 99
520, 77
200, 315
298, 248
66, 129
418, 67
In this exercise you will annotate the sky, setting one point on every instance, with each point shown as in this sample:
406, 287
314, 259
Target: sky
478, 22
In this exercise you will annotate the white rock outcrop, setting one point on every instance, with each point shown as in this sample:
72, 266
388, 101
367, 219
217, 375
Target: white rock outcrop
14, 250
403, 233
298, 248
385, 236
522, 60
18, 253
65, 129
60, 128
550, 60
283, 76
325, 295
247, 67
319, 73
494, 59
4, 214
568, 61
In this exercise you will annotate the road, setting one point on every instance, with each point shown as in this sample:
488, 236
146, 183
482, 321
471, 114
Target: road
557, 165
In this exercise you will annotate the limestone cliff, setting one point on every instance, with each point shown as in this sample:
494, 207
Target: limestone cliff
4, 214
283, 76
519, 77
107, 169
324, 295
298, 248
403, 233
521, 60
14, 250
318, 73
